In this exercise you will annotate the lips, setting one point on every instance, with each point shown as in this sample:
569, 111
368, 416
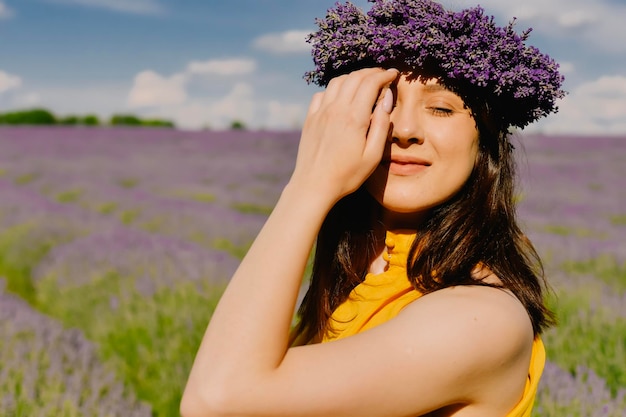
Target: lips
405, 164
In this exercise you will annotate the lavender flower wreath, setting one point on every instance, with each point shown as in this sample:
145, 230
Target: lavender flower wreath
465, 50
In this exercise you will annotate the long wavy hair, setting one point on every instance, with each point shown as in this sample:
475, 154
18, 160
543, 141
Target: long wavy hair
476, 227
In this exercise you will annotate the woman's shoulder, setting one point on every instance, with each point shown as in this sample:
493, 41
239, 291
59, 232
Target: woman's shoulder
480, 314
485, 330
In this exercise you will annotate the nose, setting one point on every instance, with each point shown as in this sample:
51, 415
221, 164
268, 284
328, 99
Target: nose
406, 128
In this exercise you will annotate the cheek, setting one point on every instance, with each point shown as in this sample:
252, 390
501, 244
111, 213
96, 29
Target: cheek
463, 152
376, 183
460, 161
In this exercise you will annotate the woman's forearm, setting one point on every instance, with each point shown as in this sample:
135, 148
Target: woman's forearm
248, 333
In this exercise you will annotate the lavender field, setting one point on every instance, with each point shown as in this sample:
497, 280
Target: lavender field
115, 245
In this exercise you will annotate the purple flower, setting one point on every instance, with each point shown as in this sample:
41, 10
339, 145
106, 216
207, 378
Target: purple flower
48, 370
464, 49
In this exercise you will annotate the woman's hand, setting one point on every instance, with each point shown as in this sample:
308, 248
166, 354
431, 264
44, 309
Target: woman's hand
342, 139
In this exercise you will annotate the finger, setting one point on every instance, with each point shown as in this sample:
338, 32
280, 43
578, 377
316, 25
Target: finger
360, 79
379, 130
315, 103
345, 87
333, 89
372, 85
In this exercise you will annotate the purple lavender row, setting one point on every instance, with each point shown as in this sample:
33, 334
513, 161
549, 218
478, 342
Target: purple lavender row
572, 195
583, 394
48, 371
147, 261
602, 296
157, 181
153, 160
86, 245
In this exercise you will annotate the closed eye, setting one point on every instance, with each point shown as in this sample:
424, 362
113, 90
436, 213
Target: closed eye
441, 111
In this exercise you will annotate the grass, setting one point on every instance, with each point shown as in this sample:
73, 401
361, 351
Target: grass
568, 231
107, 208
249, 208
227, 246
604, 267
26, 178
128, 182
128, 216
70, 196
149, 341
203, 197
618, 220
589, 336
18, 254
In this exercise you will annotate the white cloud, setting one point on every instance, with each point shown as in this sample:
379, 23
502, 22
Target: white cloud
606, 86
291, 41
9, 82
123, 6
5, 12
230, 98
101, 99
284, 115
566, 67
216, 113
599, 23
576, 19
595, 107
26, 100
239, 103
151, 89
233, 66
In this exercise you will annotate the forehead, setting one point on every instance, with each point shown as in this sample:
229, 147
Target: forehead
424, 84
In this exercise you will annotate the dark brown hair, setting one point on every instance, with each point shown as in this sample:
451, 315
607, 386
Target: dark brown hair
476, 227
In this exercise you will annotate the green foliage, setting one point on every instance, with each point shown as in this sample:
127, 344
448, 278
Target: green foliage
237, 125
124, 120
26, 178
28, 117
127, 182
18, 255
70, 196
128, 216
150, 340
91, 120
132, 120
44, 117
619, 220
249, 208
72, 120
203, 197
604, 267
568, 231
69, 120
227, 246
157, 123
107, 208
588, 334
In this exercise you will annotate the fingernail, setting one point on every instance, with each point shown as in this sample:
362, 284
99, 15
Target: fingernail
388, 101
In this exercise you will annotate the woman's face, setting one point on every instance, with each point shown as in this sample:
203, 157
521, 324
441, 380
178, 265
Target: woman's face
429, 155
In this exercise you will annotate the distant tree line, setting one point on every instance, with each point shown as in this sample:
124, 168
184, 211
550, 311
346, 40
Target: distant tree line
45, 117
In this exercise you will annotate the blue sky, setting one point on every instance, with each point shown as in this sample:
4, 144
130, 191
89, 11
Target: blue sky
205, 63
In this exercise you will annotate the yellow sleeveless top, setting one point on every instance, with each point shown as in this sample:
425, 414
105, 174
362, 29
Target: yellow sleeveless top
380, 297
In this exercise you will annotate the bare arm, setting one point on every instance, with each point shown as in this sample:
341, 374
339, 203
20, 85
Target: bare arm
341, 144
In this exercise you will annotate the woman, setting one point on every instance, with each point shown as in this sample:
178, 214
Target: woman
426, 299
